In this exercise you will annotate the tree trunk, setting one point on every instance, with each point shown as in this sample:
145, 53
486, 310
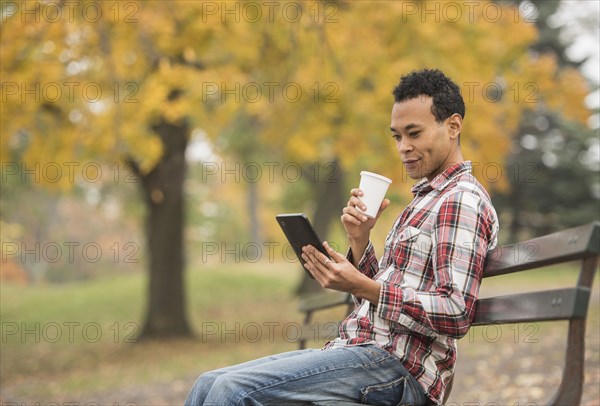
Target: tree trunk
329, 192
163, 192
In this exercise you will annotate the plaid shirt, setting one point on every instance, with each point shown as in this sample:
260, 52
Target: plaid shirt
430, 274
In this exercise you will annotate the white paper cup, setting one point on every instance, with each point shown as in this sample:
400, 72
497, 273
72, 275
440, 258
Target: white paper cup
374, 188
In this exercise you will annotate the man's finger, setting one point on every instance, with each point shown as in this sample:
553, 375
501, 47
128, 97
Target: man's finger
312, 256
358, 216
355, 202
336, 256
384, 205
328, 248
356, 192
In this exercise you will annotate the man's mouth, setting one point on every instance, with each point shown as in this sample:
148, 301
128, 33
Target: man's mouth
411, 164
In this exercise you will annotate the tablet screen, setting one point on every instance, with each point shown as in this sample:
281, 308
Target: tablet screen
299, 233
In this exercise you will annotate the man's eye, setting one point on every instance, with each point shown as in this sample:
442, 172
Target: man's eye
396, 137
414, 134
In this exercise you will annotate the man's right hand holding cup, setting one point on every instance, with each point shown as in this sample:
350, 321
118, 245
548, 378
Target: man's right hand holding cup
358, 218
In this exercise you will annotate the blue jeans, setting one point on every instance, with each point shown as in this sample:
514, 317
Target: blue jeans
362, 374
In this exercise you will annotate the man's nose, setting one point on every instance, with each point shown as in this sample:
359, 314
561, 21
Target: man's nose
404, 146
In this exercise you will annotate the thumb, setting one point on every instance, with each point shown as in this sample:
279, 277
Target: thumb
336, 256
384, 205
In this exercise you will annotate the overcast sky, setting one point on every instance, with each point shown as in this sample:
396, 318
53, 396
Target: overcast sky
581, 22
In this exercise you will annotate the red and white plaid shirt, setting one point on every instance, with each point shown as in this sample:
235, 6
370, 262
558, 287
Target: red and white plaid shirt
430, 274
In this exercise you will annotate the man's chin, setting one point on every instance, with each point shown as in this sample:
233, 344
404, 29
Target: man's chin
415, 175
413, 171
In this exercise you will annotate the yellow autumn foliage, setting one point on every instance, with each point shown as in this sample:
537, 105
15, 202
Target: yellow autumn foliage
316, 77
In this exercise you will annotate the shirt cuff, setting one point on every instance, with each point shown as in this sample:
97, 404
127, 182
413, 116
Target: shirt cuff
350, 254
389, 306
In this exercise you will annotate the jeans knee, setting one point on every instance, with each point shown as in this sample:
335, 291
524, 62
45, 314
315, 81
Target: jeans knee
207, 378
227, 389
201, 388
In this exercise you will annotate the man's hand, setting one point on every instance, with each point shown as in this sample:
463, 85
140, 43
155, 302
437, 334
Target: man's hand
358, 225
339, 274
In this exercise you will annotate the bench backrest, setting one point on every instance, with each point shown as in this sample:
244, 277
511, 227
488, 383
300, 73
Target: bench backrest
580, 243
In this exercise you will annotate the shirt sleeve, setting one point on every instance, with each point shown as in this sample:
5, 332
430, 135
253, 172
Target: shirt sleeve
463, 231
368, 264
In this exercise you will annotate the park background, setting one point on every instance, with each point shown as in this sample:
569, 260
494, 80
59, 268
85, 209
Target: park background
147, 146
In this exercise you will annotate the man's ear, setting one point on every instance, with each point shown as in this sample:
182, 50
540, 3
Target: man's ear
455, 125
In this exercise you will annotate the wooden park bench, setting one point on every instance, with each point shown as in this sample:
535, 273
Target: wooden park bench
576, 244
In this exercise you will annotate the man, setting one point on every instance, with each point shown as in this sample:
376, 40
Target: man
399, 344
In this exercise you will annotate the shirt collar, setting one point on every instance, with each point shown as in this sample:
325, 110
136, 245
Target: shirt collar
443, 179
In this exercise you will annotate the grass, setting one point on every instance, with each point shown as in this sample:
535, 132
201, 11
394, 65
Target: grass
61, 341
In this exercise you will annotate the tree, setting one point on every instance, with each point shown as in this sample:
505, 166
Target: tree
552, 147
297, 82
105, 85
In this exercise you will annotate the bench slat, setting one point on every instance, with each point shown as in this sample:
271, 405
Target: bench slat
559, 304
563, 246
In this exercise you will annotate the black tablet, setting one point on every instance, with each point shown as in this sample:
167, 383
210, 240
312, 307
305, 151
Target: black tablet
299, 233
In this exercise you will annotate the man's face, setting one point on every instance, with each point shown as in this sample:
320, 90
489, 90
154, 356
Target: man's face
426, 147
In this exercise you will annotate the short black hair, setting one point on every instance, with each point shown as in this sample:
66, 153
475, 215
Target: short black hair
447, 99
